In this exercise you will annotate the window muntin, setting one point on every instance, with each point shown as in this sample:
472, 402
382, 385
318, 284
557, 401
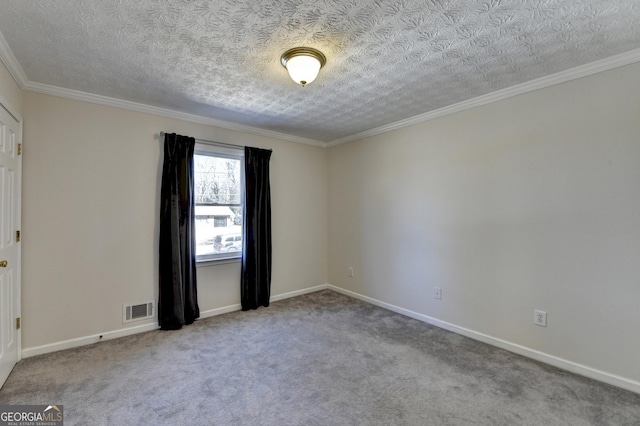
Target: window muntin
219, 198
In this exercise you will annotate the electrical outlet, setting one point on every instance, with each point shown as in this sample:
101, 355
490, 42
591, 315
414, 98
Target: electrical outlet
437, 293
350, 271
540, 318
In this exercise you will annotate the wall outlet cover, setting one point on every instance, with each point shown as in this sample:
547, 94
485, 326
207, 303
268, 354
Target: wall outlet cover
437, 293
540, 318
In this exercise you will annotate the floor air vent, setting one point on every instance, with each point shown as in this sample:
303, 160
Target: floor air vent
137, 312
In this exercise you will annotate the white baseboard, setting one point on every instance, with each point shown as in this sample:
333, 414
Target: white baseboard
275, 298
87, 340
219, 311
561, 363
299, 292
109, 335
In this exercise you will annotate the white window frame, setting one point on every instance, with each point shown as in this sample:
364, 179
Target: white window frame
213, 150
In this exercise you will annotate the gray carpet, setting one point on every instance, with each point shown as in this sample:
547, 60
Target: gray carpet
317, 359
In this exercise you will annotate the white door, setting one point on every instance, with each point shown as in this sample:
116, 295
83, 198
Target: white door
10, 181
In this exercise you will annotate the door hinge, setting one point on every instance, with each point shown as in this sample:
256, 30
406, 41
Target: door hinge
19, 149
17, 323
17, 236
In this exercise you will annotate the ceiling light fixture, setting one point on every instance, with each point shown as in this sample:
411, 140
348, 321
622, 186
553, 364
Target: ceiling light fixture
303, 63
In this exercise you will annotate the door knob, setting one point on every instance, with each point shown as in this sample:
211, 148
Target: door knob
3, 263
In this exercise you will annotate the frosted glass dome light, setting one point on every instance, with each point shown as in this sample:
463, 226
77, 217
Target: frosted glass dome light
303, 64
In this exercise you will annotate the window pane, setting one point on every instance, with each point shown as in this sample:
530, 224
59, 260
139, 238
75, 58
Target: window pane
218, 193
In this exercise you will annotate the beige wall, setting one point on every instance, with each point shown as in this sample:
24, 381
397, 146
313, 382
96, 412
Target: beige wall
528, 203
90, 217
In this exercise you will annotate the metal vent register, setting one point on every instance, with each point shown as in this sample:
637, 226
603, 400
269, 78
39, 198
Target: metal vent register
137, 312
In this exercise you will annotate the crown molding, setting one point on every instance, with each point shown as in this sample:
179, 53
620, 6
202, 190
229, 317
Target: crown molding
162, 112
10, 61
607, 64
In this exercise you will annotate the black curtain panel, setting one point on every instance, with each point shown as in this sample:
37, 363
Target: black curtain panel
178, 300
256, 256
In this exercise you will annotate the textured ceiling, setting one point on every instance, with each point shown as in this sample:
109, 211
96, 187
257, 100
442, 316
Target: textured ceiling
388, 60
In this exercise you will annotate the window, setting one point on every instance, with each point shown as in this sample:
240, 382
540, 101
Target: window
219, 197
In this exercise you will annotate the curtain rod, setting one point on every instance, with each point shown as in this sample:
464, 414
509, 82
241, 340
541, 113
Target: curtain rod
206, 142
221, 144
214, 143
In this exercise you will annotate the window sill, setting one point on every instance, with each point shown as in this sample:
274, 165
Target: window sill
221, 261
